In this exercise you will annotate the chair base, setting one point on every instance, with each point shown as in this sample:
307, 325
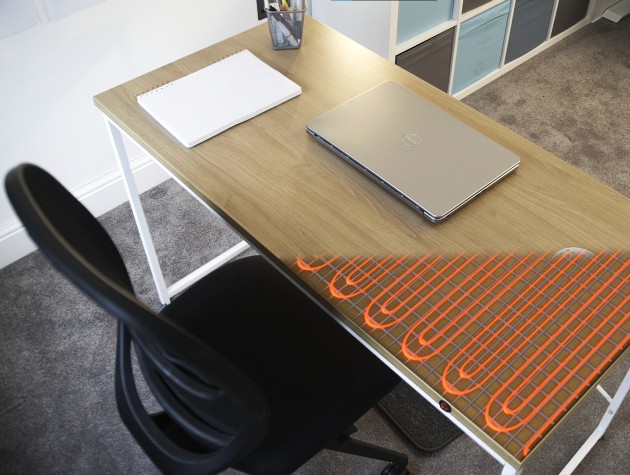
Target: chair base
393, 469
346, 444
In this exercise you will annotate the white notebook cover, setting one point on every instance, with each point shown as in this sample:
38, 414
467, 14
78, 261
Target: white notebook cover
207, 102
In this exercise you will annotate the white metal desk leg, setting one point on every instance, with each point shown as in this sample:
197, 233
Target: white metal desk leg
509, 470
597, 434
138, 212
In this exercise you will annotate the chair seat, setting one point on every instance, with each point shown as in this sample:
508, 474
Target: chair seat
272, 331
250, 372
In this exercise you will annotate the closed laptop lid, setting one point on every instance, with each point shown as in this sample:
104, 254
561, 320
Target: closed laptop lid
419, 152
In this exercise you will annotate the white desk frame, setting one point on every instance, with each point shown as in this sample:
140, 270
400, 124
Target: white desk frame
164, 292
613, 406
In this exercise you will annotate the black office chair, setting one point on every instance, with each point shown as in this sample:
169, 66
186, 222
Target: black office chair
249, 372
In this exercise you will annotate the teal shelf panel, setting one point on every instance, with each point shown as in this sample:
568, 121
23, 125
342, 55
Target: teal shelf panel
416, 17
480, 45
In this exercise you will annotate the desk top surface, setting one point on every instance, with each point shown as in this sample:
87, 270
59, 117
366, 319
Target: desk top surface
291, 198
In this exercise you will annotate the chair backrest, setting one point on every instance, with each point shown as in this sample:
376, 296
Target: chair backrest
215, 407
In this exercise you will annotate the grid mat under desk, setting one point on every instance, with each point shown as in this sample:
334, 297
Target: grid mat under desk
511, 342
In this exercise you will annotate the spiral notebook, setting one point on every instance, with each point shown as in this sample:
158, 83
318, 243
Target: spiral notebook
206, 102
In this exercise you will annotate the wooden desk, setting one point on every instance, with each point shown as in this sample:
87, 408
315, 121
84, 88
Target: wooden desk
290, 197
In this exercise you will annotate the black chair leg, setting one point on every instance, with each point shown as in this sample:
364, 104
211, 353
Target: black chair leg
348, 445
393, 469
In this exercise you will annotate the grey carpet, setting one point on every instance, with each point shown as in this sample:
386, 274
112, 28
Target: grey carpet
573, 100
57, 411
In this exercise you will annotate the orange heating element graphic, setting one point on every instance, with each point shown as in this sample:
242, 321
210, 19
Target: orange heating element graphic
510, 341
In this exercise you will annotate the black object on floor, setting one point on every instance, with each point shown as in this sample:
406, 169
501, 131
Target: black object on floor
424, 425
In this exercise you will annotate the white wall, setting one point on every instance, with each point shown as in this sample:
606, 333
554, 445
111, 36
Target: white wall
49, 74
366, 22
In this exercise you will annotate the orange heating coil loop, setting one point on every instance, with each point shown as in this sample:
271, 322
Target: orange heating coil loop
561, 365
303, 265
462, 321
582, 320
505, 324
407, 280
346, 276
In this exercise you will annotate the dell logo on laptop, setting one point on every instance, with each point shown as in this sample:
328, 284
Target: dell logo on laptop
411, 140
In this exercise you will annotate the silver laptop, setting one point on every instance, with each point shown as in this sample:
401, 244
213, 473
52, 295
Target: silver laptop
414, 149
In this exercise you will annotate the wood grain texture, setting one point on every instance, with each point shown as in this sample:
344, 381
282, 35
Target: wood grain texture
290, 196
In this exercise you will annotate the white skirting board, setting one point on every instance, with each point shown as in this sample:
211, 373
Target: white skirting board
617, 11
99, 196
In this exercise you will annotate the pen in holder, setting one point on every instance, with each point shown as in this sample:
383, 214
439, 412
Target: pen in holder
286, 21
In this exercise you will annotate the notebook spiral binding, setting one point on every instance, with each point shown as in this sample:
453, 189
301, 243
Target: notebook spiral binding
162, 86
